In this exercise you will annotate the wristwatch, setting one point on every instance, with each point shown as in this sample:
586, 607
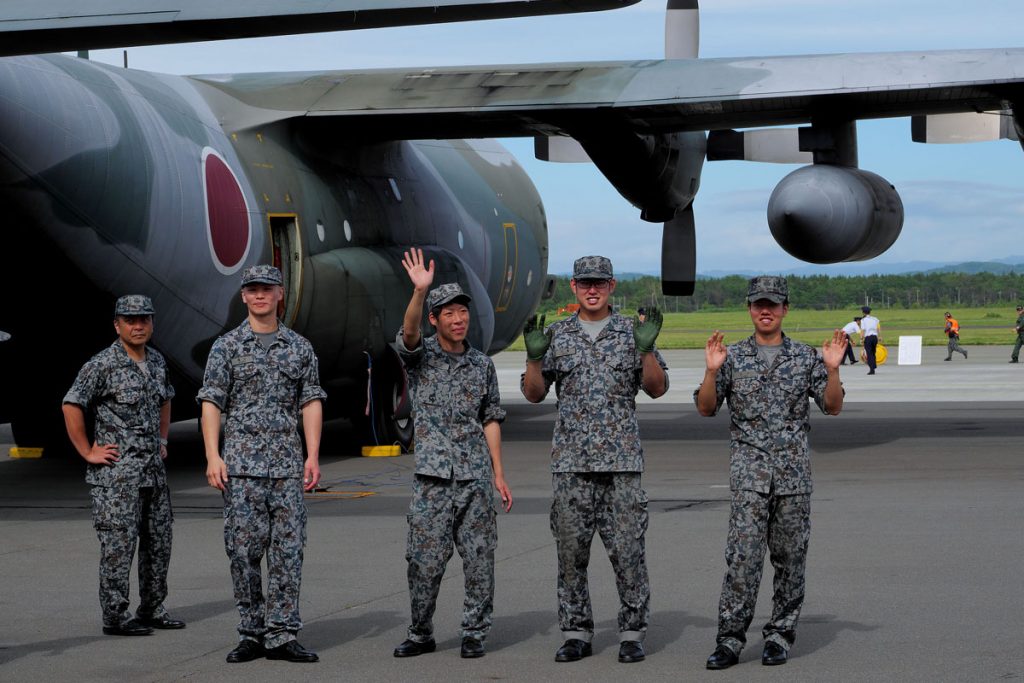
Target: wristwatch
163, 441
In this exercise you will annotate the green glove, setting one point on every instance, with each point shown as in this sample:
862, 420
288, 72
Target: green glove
646, 332
536, 338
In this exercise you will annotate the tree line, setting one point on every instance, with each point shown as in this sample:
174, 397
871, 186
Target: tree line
822, 292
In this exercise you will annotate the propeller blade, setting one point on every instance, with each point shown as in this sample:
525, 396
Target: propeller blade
679, 254
559, 148
771, 145
682, 29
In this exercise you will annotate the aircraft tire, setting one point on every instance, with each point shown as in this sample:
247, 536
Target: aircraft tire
390, 419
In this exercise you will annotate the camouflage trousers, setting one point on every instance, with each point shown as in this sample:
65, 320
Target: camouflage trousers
265, 516
125, 517
954, 345
783, 525
1015, 354
446, 513
615, 505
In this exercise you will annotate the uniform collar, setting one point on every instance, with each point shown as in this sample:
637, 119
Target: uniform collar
284, 335
748, 347
122, 356
616, 323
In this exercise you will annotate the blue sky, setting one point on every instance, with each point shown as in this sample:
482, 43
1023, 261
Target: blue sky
962, 202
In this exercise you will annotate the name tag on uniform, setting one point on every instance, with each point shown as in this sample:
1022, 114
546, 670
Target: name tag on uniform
243, 360
745, 374
564, 352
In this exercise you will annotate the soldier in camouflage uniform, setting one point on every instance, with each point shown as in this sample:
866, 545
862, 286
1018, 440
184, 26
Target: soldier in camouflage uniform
458, 419
262, 375
767, 380
127, 389
598, 361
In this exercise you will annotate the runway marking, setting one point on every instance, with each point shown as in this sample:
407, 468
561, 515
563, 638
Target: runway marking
342, 495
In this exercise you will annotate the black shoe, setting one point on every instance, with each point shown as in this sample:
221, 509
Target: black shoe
573, 650
722, 658
773, 654
871, 372
853, 362
132, 627
246, 651
1014, 360
947, 359
164, 621
965, 354
292, 652
411, 648
472, 648
631, 651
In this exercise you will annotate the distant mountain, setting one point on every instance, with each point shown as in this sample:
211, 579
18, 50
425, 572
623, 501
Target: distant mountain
997, 266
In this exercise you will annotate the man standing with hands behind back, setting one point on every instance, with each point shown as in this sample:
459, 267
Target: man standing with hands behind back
767, 379
598, 361
261, 375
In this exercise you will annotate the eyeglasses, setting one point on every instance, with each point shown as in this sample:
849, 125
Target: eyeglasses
599, 285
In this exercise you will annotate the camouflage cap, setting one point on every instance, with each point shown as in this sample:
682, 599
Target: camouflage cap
446, 294
592, 268
771, 287
262, 274
133, 304
1020, 308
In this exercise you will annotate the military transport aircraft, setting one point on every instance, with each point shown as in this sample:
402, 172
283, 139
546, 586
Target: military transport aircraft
116, 180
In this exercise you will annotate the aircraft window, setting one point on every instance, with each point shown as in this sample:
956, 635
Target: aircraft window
320, 231
348, 231
462, 241
394, 188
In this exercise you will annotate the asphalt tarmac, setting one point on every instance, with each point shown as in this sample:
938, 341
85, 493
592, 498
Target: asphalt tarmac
914, 571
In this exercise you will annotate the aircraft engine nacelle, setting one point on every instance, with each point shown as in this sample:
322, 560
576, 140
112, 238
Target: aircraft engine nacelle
828, 214
658, 174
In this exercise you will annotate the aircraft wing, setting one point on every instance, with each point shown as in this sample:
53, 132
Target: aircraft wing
37, 26
642, 96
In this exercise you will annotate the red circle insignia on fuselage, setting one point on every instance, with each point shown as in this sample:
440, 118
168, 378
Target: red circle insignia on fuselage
227, 216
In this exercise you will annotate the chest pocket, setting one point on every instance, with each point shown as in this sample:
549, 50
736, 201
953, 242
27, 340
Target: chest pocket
794, 394
747, 399
289, 378
244, 372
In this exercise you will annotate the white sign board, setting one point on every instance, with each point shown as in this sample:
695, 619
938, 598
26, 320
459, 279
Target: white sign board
910, 350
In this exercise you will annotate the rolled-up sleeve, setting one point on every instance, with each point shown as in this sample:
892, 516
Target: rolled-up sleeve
217, 378
411, 358
311, 389
491, 410
86, 386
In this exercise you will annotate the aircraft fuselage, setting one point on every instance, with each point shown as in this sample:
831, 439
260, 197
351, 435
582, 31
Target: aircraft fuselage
132, 177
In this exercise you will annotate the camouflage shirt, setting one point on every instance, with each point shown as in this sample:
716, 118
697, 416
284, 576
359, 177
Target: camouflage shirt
454, 397
770, 415
261, 391
596, 383
126, 403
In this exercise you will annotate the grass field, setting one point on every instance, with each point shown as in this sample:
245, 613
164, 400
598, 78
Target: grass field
978, 326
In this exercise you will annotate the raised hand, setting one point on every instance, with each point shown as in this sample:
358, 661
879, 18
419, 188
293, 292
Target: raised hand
646, 333
421, 277
833, 350
715, 351
537, 340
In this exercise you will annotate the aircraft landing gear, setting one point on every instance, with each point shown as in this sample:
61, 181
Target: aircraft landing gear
390, 406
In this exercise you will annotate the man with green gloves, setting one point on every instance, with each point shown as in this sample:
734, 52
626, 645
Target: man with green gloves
598, 361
